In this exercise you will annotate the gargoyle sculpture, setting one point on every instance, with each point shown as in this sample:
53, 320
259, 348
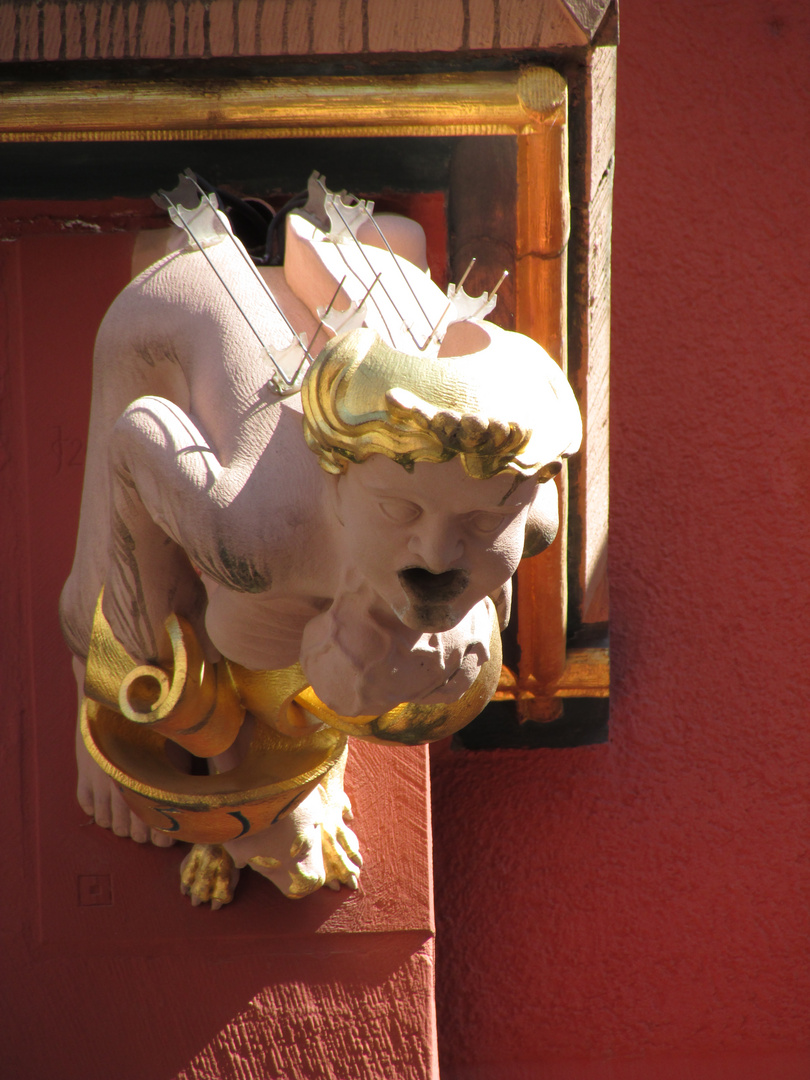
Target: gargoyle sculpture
307, 489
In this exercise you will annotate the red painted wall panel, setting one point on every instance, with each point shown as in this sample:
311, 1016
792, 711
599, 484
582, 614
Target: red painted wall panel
107, 971
648, 899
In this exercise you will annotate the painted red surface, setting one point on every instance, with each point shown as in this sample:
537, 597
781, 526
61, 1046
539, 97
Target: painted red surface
648, 899
617, 912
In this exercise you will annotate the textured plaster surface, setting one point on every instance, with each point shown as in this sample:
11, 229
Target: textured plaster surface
650, 896
326, 1029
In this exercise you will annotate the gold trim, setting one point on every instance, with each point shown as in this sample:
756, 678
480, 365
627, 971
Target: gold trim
195, 704
475, 103
276, 774
586, 674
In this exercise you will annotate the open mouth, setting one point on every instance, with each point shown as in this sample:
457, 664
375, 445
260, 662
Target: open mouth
427, 588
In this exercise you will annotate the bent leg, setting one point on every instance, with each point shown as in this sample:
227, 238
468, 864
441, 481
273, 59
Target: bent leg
311, 847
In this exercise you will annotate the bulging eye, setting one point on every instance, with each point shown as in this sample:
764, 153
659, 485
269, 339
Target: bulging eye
484, 522
400, 511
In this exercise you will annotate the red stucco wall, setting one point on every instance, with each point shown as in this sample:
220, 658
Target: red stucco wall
649, 898
640, 909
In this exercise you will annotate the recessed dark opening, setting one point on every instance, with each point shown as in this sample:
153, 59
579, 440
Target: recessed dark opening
426, 586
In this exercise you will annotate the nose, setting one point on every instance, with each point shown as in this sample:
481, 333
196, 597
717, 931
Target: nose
437, 543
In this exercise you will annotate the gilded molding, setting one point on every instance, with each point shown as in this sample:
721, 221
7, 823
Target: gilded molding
476, 103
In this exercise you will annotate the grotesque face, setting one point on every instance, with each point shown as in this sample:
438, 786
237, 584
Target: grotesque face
433, 542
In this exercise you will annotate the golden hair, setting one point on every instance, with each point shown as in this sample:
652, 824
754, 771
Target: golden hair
362, 397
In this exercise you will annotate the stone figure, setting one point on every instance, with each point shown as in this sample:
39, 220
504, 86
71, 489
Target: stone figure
307, 490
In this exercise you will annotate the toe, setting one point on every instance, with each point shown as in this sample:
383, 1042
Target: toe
120, 815
102, 815
84, 795
138, 830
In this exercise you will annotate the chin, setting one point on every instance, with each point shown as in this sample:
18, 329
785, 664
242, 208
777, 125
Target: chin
427, 618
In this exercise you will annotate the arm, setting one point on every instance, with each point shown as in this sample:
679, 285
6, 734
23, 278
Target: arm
166, 519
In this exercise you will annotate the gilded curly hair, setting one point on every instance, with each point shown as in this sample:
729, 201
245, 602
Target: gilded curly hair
506, 407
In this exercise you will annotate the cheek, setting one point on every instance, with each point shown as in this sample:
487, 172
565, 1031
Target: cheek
375, 545
543, 520
511, 543
510, 550
498, 558
355, 513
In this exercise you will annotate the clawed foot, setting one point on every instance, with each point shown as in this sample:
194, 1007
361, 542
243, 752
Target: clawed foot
103, 802
310, 848
341, 851
207, 874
